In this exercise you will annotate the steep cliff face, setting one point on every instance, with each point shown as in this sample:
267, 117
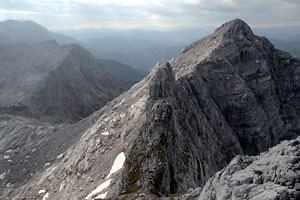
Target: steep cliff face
227, 94
52, 82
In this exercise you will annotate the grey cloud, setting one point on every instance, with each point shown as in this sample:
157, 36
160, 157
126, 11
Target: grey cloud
204, 12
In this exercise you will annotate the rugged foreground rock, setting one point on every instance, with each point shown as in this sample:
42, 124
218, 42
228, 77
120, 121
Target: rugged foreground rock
228, 94
271, 175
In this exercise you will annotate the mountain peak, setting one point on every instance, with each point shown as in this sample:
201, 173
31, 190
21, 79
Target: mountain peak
235, 29
235, 32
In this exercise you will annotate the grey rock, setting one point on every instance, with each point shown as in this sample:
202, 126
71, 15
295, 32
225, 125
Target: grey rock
220, 185
228, 94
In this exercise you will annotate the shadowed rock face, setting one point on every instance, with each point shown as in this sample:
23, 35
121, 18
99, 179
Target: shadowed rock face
227, 94
52, 82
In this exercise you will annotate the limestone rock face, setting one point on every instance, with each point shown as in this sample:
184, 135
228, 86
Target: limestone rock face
228, 94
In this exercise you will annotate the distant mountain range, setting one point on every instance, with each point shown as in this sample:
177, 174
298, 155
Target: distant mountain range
141, 49
293, 47
121, 71
142, 59
12, 32
29, 32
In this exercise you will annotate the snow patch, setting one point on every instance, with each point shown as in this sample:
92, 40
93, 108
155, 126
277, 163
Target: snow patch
105, 133
2, 176
46, 196
42, 191
60, 156
9, 151
98, 189
101, 196
47, 164
118, 163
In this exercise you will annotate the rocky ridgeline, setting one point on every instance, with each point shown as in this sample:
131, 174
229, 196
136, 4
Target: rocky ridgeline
230, 93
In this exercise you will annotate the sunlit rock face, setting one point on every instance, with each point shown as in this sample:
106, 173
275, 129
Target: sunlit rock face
227, 94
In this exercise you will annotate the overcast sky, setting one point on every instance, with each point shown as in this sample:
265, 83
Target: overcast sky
161, 14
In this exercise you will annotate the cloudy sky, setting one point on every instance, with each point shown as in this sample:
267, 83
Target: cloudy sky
162, 14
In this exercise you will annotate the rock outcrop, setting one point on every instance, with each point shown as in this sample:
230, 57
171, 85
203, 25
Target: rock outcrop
271, 175
228, 94
52, 82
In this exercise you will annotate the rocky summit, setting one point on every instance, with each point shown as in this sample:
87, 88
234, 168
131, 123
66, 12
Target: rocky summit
228, 94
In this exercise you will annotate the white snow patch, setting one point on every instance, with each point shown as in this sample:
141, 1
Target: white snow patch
9, 151
46, 196
98, 189
118, 163
47, 164
105, 133
2, 176
60, 156
101, 196
42, 191
6, 157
